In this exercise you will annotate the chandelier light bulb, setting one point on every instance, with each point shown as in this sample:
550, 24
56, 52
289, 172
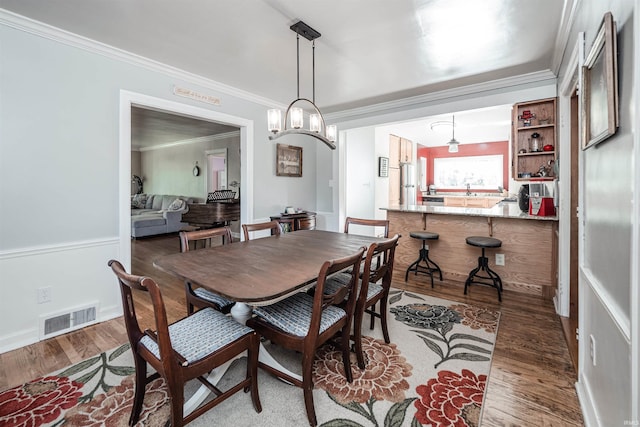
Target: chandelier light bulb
297, 115
332, 133
314, 122
274, 120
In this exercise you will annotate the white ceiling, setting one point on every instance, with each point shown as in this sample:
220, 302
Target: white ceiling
370, 51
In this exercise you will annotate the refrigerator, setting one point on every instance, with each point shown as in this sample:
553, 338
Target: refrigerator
407, 184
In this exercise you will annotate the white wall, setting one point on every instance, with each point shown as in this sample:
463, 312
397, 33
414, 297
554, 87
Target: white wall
60, 170
608, 385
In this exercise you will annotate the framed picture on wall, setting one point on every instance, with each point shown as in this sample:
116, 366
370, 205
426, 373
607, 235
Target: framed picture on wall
383, 166
599, 86
288, 160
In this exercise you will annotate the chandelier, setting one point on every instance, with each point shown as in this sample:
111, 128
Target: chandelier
294, 116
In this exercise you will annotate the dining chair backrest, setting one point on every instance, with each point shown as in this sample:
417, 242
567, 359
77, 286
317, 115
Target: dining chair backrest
274, 226
207, 238
198, 297
378, 264
377, 273
384, 223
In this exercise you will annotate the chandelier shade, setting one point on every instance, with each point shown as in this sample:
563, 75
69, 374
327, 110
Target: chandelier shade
294, 116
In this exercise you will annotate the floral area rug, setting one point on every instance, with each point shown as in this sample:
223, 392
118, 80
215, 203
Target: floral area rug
433, 373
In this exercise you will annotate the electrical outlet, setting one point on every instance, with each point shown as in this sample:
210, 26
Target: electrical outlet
44, 295
592, 349
499, 259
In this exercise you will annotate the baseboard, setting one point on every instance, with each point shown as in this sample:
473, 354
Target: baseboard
587, 404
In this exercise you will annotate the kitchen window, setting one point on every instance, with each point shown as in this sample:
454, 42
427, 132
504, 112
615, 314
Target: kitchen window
479, 172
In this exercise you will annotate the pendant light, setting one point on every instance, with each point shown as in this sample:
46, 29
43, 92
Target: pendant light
295, 115
453, 144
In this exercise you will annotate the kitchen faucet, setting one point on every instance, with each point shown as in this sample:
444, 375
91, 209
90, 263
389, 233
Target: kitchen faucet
468, 189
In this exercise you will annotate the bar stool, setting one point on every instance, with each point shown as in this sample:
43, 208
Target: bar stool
483, 265
430, 267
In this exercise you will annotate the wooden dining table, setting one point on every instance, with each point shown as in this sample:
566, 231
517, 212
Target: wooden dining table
260, 272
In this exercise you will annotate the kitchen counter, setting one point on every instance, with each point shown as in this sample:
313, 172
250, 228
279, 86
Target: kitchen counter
501, 210
529, 245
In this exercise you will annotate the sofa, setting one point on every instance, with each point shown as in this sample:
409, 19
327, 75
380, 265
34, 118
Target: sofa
153, 214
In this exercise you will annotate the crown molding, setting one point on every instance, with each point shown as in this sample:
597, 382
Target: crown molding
419, 100
569, 12
49, 32
207, 138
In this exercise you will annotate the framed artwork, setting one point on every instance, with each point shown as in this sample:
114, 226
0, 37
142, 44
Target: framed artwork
599, 86
383, 166
288, 160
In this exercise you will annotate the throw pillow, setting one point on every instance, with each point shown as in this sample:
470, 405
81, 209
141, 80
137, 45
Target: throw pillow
176, 205
139, 201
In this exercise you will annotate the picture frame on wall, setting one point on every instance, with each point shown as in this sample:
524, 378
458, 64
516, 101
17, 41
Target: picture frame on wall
599, 86
288, 160
383, 167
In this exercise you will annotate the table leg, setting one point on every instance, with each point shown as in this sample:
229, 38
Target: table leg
241, 312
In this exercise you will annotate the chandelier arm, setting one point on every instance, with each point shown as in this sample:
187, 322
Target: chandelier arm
304, 132
313, 105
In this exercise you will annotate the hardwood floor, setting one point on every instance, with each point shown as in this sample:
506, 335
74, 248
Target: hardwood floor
531, 381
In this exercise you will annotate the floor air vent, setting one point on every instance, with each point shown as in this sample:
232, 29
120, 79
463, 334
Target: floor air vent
57, 324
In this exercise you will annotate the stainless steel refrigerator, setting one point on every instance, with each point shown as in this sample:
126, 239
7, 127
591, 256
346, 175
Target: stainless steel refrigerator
407, 184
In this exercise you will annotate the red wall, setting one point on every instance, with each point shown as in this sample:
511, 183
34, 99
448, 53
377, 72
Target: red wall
465, 150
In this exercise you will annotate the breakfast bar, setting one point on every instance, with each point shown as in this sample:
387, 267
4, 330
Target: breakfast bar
529, 243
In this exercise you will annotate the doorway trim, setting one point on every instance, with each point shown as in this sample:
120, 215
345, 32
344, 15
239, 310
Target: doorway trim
566, 86
129, 99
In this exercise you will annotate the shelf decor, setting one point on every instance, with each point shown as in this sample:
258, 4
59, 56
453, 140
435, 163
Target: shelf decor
599, 86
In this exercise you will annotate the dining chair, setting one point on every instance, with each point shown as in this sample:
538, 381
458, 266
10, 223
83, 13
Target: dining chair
377, 271
200, 297
303, 323
184, 350
274, 226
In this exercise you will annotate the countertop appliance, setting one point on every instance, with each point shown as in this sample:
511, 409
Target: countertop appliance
540, 200
407, 184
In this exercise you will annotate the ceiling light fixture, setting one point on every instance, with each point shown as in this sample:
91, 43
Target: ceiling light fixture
453, 144
317, 127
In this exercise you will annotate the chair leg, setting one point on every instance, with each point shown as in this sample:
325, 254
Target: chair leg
383, 320
307, 387
428, 268
483, 265
372, 317
252, 372
177, 404
141, 382
357, 337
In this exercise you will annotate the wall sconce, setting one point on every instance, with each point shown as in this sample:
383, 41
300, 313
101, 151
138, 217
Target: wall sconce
196, 170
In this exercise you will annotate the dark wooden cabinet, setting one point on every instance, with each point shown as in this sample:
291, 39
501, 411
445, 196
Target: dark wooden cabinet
295, 222
213, 214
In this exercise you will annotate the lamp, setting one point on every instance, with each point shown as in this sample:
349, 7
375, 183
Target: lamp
317, 127
453, 144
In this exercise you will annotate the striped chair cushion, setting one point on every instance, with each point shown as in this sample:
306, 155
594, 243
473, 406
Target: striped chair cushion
219, 300
336, 281
200, 334
293, 315
373, 290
